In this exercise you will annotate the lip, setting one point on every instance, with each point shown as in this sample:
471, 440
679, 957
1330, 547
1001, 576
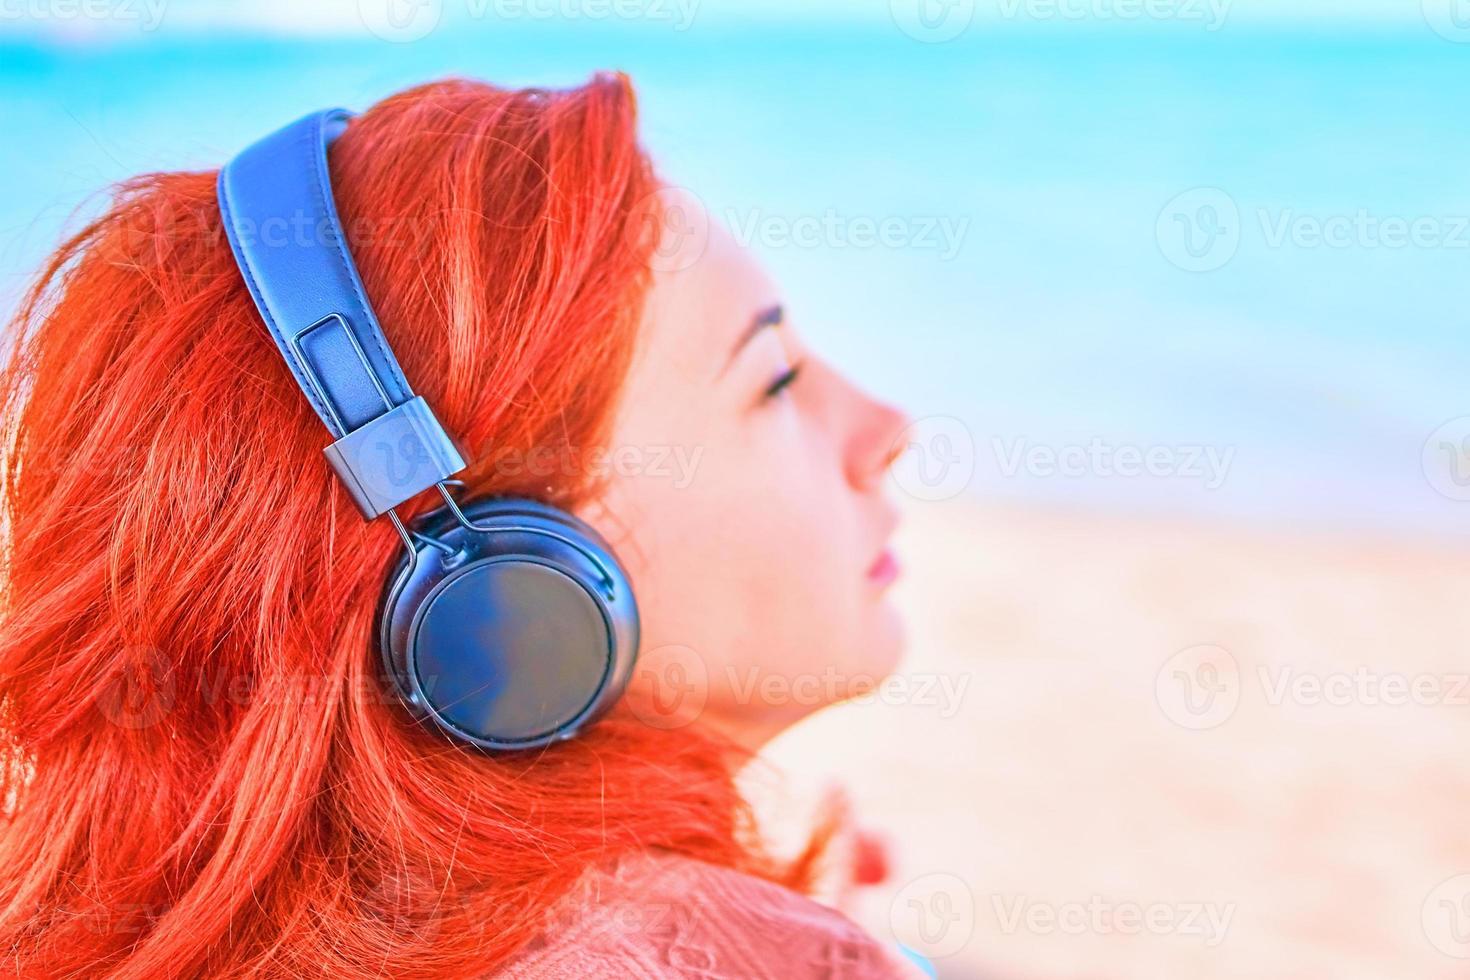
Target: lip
884, 569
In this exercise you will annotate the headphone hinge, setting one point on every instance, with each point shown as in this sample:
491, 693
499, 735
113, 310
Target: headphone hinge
394, 457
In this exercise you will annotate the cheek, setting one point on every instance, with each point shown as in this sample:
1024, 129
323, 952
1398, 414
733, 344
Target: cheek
788, 583
733, 570
750, 576
753, 577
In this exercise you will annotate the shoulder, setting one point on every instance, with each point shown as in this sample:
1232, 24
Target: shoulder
659, 915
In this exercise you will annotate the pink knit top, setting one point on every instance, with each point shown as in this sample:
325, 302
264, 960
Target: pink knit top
657, 915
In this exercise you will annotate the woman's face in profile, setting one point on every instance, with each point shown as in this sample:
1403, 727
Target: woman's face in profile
747, 502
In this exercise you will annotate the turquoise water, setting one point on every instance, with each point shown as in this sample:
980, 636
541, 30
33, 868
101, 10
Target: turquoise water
1027, 289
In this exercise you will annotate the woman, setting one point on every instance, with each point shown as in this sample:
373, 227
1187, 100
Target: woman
205, 776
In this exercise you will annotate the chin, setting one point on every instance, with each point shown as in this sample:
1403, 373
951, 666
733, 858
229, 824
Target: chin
884, 641
888, 639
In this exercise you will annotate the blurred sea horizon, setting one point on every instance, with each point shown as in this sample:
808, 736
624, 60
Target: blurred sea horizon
1071, 241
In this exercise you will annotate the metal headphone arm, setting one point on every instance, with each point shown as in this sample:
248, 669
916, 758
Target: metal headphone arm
409, 537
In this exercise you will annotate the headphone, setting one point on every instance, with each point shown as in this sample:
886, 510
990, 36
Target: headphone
506, 623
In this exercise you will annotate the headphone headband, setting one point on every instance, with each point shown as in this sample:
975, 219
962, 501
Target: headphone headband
282, 225
509, 624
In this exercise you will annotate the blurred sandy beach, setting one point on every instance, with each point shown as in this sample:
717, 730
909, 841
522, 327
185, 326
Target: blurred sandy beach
1081, 811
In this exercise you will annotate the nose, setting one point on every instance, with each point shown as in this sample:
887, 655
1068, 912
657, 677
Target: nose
878, 443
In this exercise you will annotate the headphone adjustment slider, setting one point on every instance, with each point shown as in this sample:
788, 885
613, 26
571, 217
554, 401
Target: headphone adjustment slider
395, 456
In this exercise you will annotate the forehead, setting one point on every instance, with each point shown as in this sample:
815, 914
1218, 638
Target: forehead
706, 287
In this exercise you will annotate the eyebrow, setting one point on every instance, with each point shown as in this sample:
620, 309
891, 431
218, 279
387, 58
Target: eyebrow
769, 317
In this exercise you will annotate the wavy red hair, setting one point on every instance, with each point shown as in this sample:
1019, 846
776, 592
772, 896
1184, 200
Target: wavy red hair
204, 773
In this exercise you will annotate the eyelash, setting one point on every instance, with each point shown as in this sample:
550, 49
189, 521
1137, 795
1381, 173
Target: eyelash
781, 383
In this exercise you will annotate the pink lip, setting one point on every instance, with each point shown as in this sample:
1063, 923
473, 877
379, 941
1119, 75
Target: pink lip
885, 569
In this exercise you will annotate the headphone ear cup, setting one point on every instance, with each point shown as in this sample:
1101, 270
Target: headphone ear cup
513, 633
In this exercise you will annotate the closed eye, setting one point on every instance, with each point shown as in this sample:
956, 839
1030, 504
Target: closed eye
787, 377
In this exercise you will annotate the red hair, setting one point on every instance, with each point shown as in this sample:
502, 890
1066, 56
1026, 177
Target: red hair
203, 772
